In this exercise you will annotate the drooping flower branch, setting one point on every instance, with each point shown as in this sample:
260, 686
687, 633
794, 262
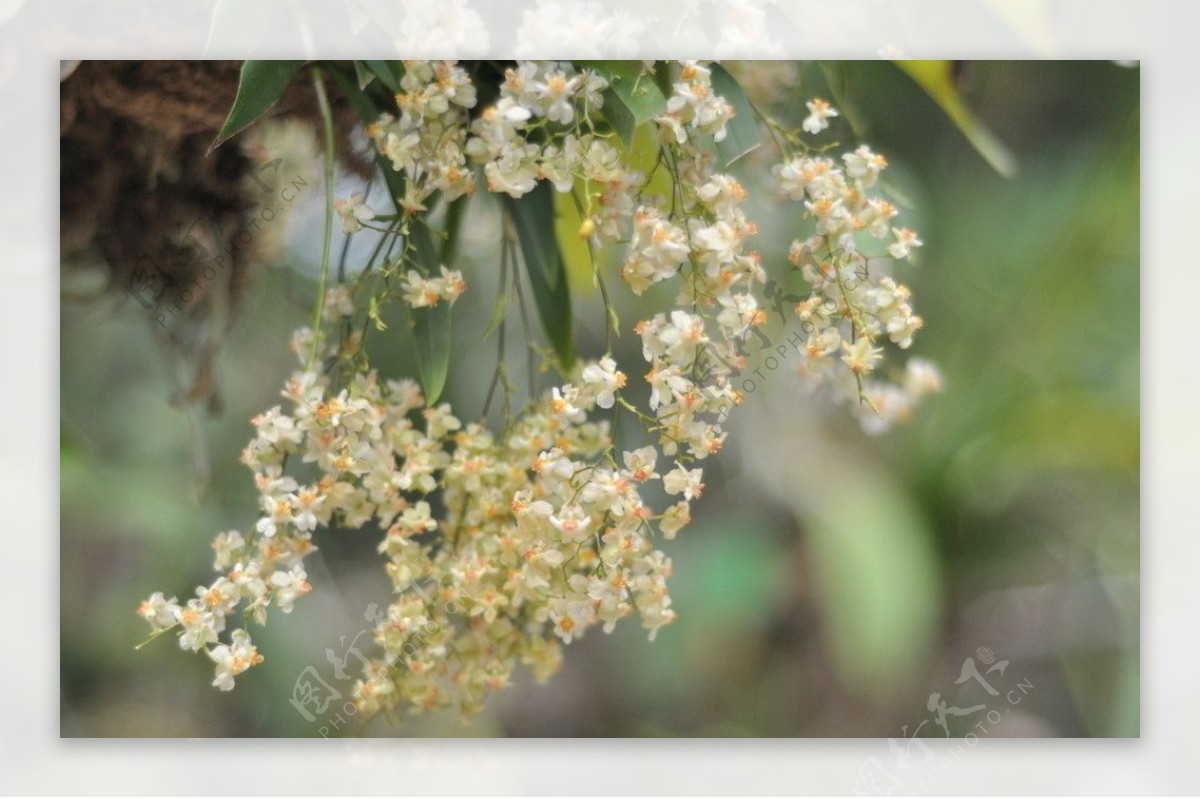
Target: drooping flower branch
504, 545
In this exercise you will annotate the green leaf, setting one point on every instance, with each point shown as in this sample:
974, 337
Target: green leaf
533, 217
454, 214
577, 259
261, 85
662, 77
835, 79
364, 75
876, 576
937, 79
388, 72
368, 111
360, 100
498, 312
632, 98
741, 133
431, 326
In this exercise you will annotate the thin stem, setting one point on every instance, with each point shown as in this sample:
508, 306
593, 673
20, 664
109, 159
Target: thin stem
524, 313
611, 322
503, 289
327, 120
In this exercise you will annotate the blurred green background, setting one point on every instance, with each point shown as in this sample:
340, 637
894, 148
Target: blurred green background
831, 581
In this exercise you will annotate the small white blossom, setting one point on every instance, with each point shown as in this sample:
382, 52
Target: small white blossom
233, 659
604, 379
354, 211
819, 114
906, 241
685, 481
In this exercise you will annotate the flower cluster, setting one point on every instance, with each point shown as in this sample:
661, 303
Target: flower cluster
503, 546
855, 302
427, 142
694, 106
542, 127
423, 292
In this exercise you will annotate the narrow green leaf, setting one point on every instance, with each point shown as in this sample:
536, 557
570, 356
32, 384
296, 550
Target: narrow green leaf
362, 103
369, 112
533, 217
364, 75
454, 215
261, 85
876, 583
741, 132
577, 260
498, 312
835, 79
431, 326
937, 79
388, 72
632, 97
662, 77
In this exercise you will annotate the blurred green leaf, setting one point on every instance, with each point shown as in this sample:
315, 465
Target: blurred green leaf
835, 79
574, 249
260, 86
533, 217
937, 79
431, 326
388, 72
662, 77
741, 133
632, 97
368, 111
454, 214
877, 577
364, 75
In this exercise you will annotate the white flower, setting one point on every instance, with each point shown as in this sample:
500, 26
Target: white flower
682, 336
687, 482
276, 428
228, 546
200, 627
674, 519
819, 114
604, 379
566, 402
417, 519
640, 463
739, 312
161, 613
234, 659
555, 91
906, 241
860, 356
420, 292
308, 501
571, 618
823, 343
288, 586
572, 521
354, 212
452, 285
515, 172
864, 165
921, 376
339, 303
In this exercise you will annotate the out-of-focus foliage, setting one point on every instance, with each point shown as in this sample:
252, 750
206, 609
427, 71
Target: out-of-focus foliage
831, 582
